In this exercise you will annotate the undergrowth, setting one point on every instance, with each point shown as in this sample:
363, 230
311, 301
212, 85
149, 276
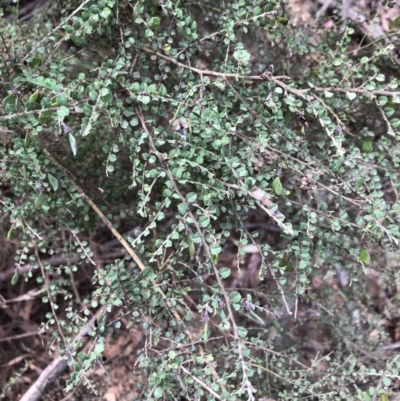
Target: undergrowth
188, 131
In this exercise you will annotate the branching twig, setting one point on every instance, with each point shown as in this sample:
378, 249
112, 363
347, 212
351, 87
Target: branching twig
82, 247
60, 364
277, 80
63, 22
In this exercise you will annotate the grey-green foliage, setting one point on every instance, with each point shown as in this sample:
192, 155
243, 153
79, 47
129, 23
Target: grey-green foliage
243, 113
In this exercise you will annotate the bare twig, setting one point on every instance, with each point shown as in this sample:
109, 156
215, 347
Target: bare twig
202, 384
277, 80
19, 336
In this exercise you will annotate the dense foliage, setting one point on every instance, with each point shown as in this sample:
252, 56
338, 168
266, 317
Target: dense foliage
194, 130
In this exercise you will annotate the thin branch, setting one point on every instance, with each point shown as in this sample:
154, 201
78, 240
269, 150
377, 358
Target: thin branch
18, 336
82, 247
378, 92
277, 80
47, 285
202, 384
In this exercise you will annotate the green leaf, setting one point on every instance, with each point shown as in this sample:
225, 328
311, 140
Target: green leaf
190, 246
277, 186
10, 99
383, 397
364, 256
204, 221
395, 23
105, 13
224, 272
158, 392
242, 56
144, 99
99, 348
222, 314
153, 22
9, 234
10, 103
256, 318
206, 332
72, 143
15, 279
34, 96
395, 122
53, 182
62, 99
367, 146
351, 95
39, 201
215, 249
29, 106
35, 62
235, 297
191, 197
76, 39
44, 117
242, 332
27, 141
225, 325
62, 112
337, 61
182, 207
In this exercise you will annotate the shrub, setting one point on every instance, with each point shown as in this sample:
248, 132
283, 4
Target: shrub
189, 127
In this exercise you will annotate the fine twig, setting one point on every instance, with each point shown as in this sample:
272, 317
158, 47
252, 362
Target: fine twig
63, 22
47, 285
202, 384
60, 364
277, 80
